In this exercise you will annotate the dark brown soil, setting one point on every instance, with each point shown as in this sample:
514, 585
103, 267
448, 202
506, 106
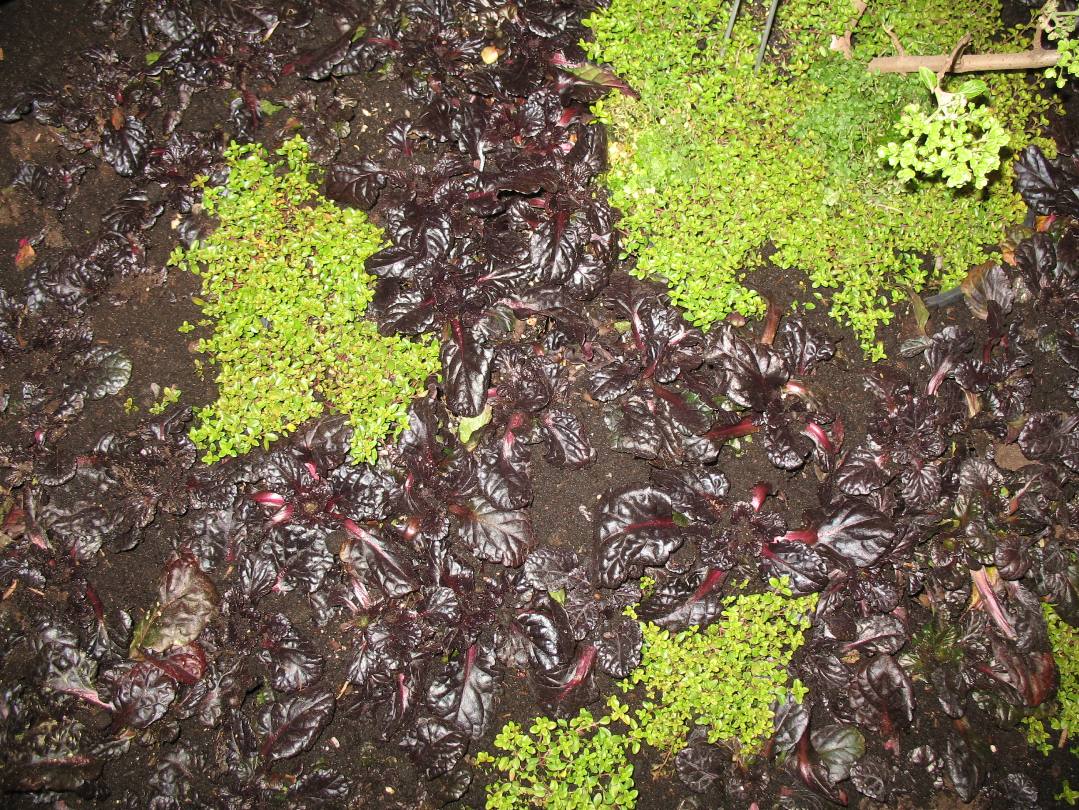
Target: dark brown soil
142, 315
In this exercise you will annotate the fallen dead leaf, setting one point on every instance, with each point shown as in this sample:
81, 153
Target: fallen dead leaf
26, 255
1010, 457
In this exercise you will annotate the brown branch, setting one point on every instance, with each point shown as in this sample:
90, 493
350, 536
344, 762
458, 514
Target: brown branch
845, 44
973, 63
899, 49
958, 49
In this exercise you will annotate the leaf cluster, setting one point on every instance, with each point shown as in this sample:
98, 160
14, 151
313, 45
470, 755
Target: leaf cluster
1063, 714
285, 290
715, 162
958, 141
726, 678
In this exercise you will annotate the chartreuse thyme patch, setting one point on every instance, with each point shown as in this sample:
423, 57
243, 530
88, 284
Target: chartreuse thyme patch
726, 678
716, 165
285, 290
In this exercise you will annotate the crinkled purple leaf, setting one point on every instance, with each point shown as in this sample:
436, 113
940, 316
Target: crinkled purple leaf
863, 471
140, 694
881, 696
1042, 184
634, 527
964, 770
292, 660
466, 370
556, 246
879, 634
503, 472
464, 693
1051, 436
126, 148
838, 747
618, 647
857, 532
754, 373
613, 380
987, 285
290, 726
135, 212
693, 599
699, 765
807, 569
565, 438
502, 536
791, 722
435, 746
187, 600
372, 559
355, 184
802, 348
873, 777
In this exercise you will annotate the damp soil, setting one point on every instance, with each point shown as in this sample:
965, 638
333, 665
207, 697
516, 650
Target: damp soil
141, 315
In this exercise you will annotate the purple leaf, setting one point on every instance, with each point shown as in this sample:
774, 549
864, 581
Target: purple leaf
435, 746
634, 527
503, 471
693, 599
466, 370
126, 148
802, 348
492, 534
881, 696
755, 373
863, 471
140, 693
964, 770
567, 443
699, 765
1051, 436
464, 694
838, 747
618, 647
355, 184
293, 663
187, 600
556, 246
855, 531
290, 726
371, 559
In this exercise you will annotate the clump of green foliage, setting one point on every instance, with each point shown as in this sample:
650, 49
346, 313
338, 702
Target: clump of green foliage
715, 162
959, 141
1064, 716
284, 286
566, 764
1060, 25
726, 677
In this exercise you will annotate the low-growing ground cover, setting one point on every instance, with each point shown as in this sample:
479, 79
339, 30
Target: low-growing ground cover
716, 161
285, 290
610, 557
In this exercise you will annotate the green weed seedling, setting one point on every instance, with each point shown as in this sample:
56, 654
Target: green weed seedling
725, 677
716, 165
285, 289
169, 396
